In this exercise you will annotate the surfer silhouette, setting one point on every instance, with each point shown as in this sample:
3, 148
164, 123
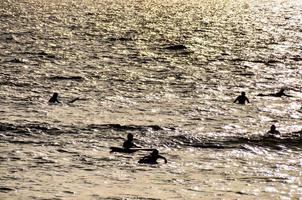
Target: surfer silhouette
152, 158
129, 142
54, 98
129, 146
273, 131
242, 99
278, 94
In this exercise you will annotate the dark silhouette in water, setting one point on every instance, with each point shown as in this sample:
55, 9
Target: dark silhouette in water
126, 150
278, 94
152, 158
176, 47
242, 99
54, 98
129, 142
273, 131
129, 146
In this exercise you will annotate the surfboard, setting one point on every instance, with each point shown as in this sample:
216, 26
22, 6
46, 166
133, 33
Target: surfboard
124, 150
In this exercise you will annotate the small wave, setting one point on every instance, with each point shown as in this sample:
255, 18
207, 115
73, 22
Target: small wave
291, 140
29, 129
16, 60
119, 127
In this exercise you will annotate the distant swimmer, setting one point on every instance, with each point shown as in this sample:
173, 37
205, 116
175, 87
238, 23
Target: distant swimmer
129, 142
152, 158
242, 99
273, 131
278, 94
54, 98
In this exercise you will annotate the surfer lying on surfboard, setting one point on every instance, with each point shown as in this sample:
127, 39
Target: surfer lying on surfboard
55, 99
278, 94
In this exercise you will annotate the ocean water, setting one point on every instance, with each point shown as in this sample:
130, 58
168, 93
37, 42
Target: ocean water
167, 72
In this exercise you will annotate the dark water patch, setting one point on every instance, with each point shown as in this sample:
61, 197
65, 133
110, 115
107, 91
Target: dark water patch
4, 189
90, 169
11, 176
176, 47
14, 158
67, 151
63, 78
119, 127
7, 127
5, 16
30, 142
43, 160
84, 160
267, 179
69, 192
255, 61
16, 61
296, 58
8, 37
42, 55
122, 39
293, 140
32, 128
248, 74
106, 198
133, 197
2, 159
15, 83
272, 61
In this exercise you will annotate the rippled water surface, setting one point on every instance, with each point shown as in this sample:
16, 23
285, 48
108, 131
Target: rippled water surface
166, 71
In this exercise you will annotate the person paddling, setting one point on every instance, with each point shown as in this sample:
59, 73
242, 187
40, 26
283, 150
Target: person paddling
152, 158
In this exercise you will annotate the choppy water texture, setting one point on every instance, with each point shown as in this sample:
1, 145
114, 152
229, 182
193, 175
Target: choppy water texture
167, 71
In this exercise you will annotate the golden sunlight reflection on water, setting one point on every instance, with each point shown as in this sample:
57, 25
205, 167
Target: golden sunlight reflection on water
166, 71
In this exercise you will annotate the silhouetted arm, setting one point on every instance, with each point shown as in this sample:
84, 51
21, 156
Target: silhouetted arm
247, 99
136, 146
159, 156
236, 100
127, 144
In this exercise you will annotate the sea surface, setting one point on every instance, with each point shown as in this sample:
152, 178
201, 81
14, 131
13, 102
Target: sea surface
166, 71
